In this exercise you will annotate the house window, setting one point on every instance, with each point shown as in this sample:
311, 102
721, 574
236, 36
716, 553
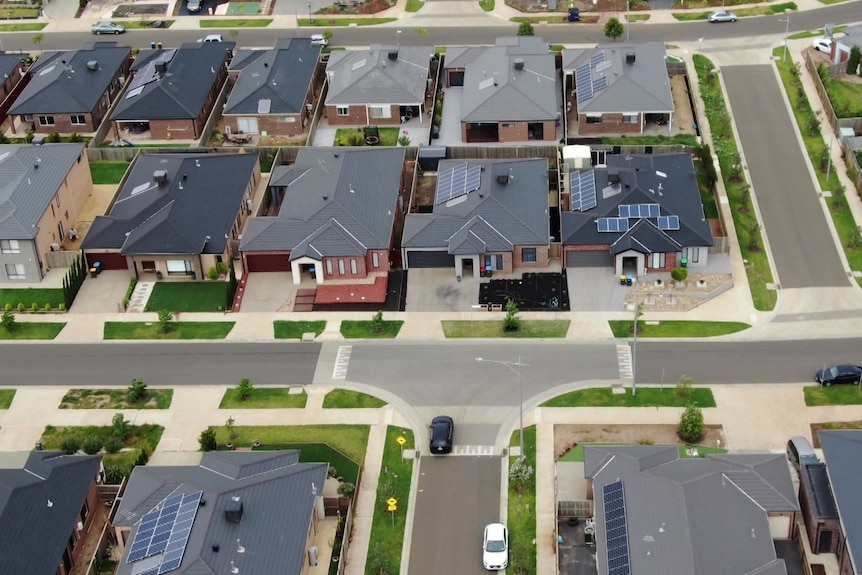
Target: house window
692, 255
375, 259
148, 266
329, 267
510, 125
630, 118
657, 260
57, 198
342, 110
381, 112
85, 511
78, 119
494, 262
46, 120
179, 267
594, 118
341, 267
353, 268
61, 230
528, 255
15, 272
10, 247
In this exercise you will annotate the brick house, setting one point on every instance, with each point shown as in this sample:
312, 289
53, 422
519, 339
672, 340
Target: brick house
819, 514
12, 73
638, 214
618, 88
173, 91
508, 91
71, 92
490, 214
380, 86
274, 90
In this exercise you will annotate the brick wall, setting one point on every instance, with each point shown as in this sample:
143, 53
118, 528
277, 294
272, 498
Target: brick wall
516, 131
813, 527
94, 508
348, 274
669, 263
273, 124
610, 124
174, 129
360, 115
542, 258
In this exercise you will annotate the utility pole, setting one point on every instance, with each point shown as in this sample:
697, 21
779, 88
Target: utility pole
635, 348
628, 18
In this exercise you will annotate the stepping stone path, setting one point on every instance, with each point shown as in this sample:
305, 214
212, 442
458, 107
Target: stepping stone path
138, 301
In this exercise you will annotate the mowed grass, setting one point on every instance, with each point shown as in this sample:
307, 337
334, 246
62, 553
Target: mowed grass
576, 454
6, 397
645, 397
623, 328
351, 440
108, 172
295, 329
815, 33
414, 5
34, 330
24, 27
816, 395
178, 330
236, 23
741, 12
264, 398
846, 97
388, 136
29, 296
388, 329
326, 21
349, 399
638, 17
484, 329
521, 509
189, 296
115, 399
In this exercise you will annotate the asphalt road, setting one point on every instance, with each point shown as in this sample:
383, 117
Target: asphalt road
456, 498
801, 245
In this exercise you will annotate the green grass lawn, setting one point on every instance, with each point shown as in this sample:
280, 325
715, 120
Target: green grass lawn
108, 172
29, 296
388, 136
25, 27
658, 140
115, 399
189, 296
346, 468
576, 454
387, 529
348, 399
364, 329
18, 12
295, 329
521, 510
263, 398
178, 330
351, 440
139, 24
835, 395
646, 397
815, 33
638, 17
707, 192
6, 397
47, 330
623, 328
236, 23
344, 21
538, 328
846, 98
414, 5
550, 19
757, 268
142, 437
741, 12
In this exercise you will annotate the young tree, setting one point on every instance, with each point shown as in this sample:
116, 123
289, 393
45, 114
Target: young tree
137, 390
614, 28
37, 39
691, 424
813, 125
526, 29
9, 321
244, 388
855, 238
377, 325
207, 440
165, 319
520, 475
744, 196
120, 427
753, 235
683, 387
511, 322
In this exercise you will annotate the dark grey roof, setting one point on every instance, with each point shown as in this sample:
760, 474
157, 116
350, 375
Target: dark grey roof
8, 63
200, 199
277, 495
29, 179
62, 82
702, 516
640, 182
494, 90
332, 193
645, 237
179, 93
842, 452
851, 36
493, 218
631, 88
274, 81
815, 481
39, 507
371, 77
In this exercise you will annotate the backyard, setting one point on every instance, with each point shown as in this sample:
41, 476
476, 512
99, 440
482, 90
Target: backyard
356, 136
108, 172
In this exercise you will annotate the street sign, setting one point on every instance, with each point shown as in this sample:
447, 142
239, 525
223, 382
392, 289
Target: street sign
392, 508
392, 501
401, 440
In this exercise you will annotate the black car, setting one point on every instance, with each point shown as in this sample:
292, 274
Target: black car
442, 428
839, 374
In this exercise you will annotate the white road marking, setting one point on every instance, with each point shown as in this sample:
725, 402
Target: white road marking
341, 362
624, 359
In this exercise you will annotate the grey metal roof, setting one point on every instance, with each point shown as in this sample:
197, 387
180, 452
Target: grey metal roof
371, 77
29, 179
640, 182
702, 516
642, 87
495, 91
179, 93
498, 215
277, 494
852, 35
62, 82
815, 481
842, 452
200, 199
282, 75
356, 188
39, 506
8, 63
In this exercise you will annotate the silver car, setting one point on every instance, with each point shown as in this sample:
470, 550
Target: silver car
194, 6
107, 28
722, 16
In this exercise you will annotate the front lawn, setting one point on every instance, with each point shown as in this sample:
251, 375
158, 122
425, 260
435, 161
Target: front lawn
646, 397
522, 509
344, 21
576, 453
264, 398
177, 330
138, 445
115, 399
295, 329
108, 172
356, 136
6, 397
368, 330
139, 24
25, 27
414, 5
47, 330
29, 296
189, 296
348, 399
816, 395
638, 17
623, 328
351, 440
236, 23
538, 328
742, 12
13, 12
657, 140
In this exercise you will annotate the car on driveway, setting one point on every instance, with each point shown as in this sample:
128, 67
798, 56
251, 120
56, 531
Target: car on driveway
722, 16
823, 45
495, 547
442, 429
844, 373
107, 28
194, 6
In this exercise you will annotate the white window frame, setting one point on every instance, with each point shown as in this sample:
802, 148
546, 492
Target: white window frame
341, 267
19, 272
692, 255
353, 267
10, 247
46, 120
329, 267
173, 267
630, 118
657, 260
342, 110
73, 119
375, 259
380, 111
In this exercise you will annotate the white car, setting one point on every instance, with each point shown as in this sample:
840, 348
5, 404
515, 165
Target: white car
722, 16
823, 45
212, 38
495, 549
318, 40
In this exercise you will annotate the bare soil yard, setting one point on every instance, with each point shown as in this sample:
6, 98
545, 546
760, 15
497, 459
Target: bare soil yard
568, 436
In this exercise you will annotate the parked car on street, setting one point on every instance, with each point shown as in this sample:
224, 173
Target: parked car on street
495, 547
823, 45
194, 6
319, 40
839, 374
442, 429
107, 28
722, 16
212, 38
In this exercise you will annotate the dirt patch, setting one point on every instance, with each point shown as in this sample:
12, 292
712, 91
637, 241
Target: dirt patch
568, 436
682, 105
423, 197
816, 427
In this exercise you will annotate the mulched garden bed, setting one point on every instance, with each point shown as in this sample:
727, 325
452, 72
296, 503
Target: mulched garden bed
533, 292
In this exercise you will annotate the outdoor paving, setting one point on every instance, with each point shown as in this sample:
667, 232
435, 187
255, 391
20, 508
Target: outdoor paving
102, 294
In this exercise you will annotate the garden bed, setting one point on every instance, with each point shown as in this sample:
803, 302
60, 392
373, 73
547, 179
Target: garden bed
115, 399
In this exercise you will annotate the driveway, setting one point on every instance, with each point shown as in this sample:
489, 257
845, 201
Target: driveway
438, 290
803, 249
102, 294
596, 289
271, 291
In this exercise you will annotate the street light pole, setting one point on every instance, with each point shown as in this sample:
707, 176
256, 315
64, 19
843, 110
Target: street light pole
398, 38
628, 19
310, 19
786, 34
635, 348
519, 372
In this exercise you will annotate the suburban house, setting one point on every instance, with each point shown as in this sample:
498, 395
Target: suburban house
274, 92
509, 92
176, 216
842, 45
330, 214
638, 214
12, 72
252, 512
655, 513
490, 214
73, 91
49, 502
381, 86
618, 88
42, 191
173, 91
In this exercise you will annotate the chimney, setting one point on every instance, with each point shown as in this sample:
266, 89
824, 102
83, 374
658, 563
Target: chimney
519, 63
233, 510
160, 176
502, 179
161, 67
93, 65
393, 55
630, 57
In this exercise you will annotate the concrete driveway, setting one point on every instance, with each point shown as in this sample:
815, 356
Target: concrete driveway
438, 290
102, 294
595, 289
271, 291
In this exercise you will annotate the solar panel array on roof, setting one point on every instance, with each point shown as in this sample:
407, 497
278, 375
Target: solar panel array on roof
583, 190
613, 224
165, 530
597, 59
584, 82
639, 210
668, 223
457, 181
600, 83
616, 529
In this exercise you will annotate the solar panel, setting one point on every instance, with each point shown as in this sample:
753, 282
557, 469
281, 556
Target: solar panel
654, 210
597, 59
474, 178
613, 224
616, 532
600, 83
166, 531
623, 210
668, 223
575, 187
584, 82
180, 532
588, 190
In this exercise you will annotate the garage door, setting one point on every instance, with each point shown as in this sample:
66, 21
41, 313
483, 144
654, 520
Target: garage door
456, 78
112, 261
590, 259
268, 263
430, 260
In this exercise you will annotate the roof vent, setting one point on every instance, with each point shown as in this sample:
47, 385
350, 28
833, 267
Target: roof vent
613, 176
266, 64
160, 176
233, 510
393, 55
325, 197
630, 57
216, 547
93, 65
36, 166
161, 67
38, 140
502, 179
519, 63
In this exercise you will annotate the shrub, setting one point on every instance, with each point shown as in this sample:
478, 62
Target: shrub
9, 321
212, 273
346, 488
244, 388
76, 138
377, 322
21, 307
70, 445
8, 306
691, 425
48, 306
207, 439
129, 291
114, 474
332, 472
53, 138
137, 390
222, 268
683, 387
120, 428
526, 29
165, 319
92, 445
511, 321
614, 28
113, 444
34, 307
520, 474
679, 274
61, 307
853, 60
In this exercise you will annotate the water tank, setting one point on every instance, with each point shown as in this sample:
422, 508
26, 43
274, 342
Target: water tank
312, 556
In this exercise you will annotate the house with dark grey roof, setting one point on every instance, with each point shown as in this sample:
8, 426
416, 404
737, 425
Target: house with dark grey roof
639, 214
173, 91
491, 214
509, 92
330, 214
13, 80
380, 86
42, 192
618, 88
274, 90
72, 91
48, 503
655, 513
253, 512
176, 215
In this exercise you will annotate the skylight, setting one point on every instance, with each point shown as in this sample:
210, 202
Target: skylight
47, 70
359, 64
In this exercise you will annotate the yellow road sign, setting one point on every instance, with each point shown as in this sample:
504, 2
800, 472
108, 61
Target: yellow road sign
401, 440
391, 501
392, 508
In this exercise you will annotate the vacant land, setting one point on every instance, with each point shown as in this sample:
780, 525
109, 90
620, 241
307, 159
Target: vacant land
115, 399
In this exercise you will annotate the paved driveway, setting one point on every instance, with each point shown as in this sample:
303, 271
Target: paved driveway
802, 246
438, 290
